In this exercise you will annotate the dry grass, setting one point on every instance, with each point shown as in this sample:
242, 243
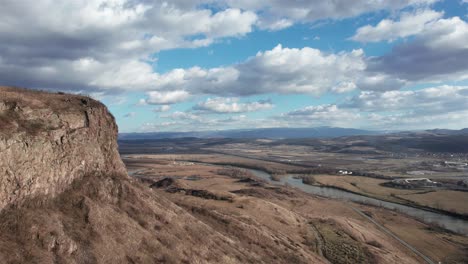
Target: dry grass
30, 111
270, 167
275, 177
340, 247
288, 212
453, 201
364, 185
309, 179
450, 201
439, 246
36, 99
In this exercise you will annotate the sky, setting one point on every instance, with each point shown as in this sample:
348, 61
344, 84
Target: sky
193, 65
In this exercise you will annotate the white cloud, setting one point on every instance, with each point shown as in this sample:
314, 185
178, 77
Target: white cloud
162, 108
188, 121
275, 24
164, 98
179, 115
437, 53
231, 105
129, 115
124, 75
280, 70
231, 22
408, 25
104, 44
440, 99
408, 121
344, 87
235, 119
274, 11
440, 106
322, 115
109, 45
379, 82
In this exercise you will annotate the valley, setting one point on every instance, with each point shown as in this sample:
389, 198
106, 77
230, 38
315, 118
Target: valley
217, 180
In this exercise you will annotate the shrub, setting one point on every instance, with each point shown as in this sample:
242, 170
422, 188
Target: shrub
275, 177
309, 179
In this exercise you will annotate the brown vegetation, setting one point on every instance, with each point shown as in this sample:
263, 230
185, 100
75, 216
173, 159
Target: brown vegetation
308, 179
68, 200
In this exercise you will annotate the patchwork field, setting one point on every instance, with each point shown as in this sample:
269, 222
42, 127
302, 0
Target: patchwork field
239, 205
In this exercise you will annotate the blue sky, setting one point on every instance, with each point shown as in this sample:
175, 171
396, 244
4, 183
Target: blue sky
211, 65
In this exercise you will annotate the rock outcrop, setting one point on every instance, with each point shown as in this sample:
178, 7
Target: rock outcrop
65, 197
49, 140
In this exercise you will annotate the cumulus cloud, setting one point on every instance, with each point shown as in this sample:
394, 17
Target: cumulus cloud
408, 25
280, 70
234, 119
409, 121
162, 108
275, 11
411, 109
321, 115
440, 99
438, 52
379, 82
129, 115
179, 115
432, 107
190, 121
440, 106
275, 24
109, 45
103, 44
231, 105
164, 98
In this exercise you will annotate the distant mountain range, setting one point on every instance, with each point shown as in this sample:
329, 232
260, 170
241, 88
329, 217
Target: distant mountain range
271, 133
279, 133
463, 131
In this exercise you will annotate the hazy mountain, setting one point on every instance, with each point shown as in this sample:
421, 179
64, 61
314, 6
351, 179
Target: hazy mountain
274, 133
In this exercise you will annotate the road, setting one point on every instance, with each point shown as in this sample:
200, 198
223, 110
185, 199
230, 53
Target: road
384, 229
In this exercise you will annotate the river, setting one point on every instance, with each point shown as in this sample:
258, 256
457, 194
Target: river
448, 222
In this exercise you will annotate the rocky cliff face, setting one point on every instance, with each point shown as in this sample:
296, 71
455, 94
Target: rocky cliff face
49, 140
65, 197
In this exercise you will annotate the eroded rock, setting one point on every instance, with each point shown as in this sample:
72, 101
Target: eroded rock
49, 140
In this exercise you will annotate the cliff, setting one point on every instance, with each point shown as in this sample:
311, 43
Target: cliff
65, 197
49, 140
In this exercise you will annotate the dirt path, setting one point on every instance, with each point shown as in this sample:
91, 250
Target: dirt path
387, 231
319, 240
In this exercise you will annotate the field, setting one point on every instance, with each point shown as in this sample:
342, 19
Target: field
323, 159
447, 200
204, 177
233, 205
452, 201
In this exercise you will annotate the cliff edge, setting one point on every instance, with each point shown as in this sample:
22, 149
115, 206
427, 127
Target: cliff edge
65, 197
49, 140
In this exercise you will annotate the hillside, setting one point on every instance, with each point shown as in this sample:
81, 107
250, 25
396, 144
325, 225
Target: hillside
66, 198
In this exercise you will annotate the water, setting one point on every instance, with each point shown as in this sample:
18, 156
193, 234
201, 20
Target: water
448, 222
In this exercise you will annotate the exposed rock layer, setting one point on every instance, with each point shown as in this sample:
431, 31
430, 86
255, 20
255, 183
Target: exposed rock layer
49, 140
65, 197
